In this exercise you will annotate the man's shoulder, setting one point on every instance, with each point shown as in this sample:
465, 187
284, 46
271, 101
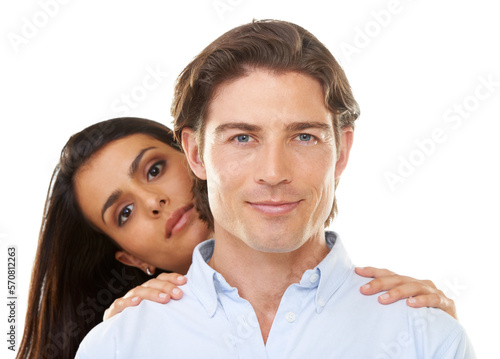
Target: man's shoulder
133, 330
419, 317
115, 336
396, 329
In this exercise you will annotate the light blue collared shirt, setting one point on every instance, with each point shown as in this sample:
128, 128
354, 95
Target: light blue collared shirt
323, 316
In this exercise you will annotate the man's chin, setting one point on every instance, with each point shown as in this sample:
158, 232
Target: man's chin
275, 244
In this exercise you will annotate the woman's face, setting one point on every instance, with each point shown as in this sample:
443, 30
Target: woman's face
137, 190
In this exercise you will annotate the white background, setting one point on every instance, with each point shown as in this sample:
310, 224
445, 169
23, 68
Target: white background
415, 68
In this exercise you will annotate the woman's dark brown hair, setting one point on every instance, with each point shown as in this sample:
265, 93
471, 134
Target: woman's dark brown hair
271, 44
75, 275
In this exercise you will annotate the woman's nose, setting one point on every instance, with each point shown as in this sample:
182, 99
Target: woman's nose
156, 210
155, 201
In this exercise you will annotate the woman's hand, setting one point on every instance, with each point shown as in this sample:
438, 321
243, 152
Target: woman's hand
160, 289
419, 293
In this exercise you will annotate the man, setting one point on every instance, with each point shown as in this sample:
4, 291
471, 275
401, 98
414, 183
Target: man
266, 118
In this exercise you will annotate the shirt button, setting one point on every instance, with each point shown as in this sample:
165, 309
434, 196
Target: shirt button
314, 277
290, 317
321, 302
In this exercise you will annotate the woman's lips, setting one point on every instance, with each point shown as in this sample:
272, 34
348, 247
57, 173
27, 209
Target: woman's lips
178, 220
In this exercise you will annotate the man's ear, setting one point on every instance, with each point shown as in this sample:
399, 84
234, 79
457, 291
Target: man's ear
347, 137
191, 149
132, 261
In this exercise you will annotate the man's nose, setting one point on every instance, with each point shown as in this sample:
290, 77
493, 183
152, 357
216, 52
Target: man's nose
273, 165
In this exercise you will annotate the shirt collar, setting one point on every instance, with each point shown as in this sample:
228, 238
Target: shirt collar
333, 270
201, 276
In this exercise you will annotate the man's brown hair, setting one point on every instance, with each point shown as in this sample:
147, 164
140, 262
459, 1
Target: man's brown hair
279, 46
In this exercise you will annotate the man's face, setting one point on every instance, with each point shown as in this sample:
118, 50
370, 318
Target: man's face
269, 160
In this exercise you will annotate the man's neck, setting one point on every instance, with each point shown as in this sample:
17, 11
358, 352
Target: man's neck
263, 277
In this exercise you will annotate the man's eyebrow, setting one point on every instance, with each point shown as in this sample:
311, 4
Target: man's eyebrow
299, 126
237, 125
132, 170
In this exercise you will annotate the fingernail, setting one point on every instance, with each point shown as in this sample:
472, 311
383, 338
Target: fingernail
366, 286
412, 300
180, 278
360, 267
384, 296
135, 299
176, 291
162, 295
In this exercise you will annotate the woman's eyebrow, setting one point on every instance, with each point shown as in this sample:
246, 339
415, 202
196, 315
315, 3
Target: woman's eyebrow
109, 202
116, 194
135, 163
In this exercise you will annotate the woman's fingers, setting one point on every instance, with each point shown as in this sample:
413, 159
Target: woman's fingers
372, 272
420, 293
174, 278
387, 283
405, 290
165, 283
134, 297
435, 300
160, 289
162, 295
119, 305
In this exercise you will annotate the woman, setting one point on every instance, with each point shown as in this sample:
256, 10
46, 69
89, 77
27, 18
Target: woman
119, 207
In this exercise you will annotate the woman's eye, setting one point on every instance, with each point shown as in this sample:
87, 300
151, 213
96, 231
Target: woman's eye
155, 170
125, 214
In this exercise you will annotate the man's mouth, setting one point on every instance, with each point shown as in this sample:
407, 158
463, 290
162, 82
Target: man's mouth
178, 220
275, 208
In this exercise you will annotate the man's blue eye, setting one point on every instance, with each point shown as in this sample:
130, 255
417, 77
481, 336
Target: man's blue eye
243, 138
305, 137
